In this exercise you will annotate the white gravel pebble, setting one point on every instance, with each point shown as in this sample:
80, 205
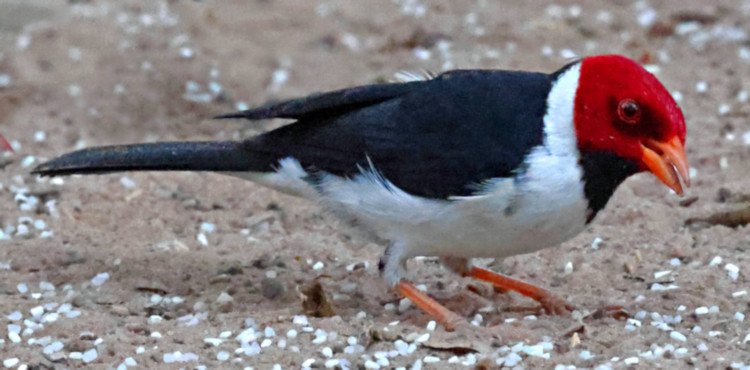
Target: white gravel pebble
37, 312
510, 360
127, 182
739, 293
213, 341
631, 360
402, 347
202, 239
22, 288
100, 278
14, 337
10, 362
52, 348
701, 310
15, 316
40, 225
733, 270
246, 336
208, 227
187, 52
308, 362
716, 261
568, 268
269, 332
318, 266
222, 356
300, 320
28, 161
224, 297
677, 336
431, 325
327, 352
320, 336
291, 333
596, 242
90, 355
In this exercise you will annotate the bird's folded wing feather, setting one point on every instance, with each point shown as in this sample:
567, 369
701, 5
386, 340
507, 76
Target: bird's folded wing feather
438, 138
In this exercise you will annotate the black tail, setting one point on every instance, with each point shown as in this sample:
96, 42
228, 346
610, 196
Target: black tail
169, 156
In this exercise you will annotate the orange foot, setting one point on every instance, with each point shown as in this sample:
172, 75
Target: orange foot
552, 303
440, 313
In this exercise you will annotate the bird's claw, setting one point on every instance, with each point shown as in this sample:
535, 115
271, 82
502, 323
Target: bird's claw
616, 312
555, 305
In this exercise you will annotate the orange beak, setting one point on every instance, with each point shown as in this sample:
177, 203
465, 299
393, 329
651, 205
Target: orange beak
662, 158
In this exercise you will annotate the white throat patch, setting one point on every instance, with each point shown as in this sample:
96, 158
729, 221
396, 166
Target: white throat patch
559, 128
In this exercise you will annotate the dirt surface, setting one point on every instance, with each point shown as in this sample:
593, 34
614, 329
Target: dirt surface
186, 270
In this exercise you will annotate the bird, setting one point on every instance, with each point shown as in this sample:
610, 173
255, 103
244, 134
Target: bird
459, 165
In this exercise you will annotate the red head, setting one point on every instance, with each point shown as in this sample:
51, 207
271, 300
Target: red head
622, 108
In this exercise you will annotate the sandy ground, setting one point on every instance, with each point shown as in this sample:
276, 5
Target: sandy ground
186, 270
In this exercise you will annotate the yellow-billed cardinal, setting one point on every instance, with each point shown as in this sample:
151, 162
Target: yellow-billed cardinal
470, 163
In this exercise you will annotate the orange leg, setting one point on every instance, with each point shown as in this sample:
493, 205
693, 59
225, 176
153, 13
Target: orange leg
442, 315
551, 302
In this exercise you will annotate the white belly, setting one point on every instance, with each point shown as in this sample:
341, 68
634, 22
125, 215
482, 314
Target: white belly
542, 208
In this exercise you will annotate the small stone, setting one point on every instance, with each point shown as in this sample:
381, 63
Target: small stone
52, 348
677, 336
271, 288
120, 310
89, 355
224, 298
10, 362
99, 279
87, 335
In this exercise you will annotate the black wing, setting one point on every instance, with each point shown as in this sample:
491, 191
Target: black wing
437, 138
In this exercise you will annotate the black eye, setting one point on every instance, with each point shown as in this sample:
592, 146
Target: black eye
629, 111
